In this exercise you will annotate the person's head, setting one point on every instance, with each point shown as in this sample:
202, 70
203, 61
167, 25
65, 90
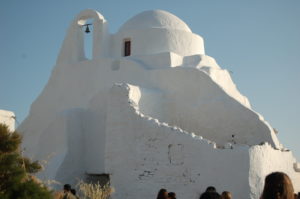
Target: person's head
172, 195
210, 195
73, 191
226, 195
211, 189
278, 186
162, 194
67, 188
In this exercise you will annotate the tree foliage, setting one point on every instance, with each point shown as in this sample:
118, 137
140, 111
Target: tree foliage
15, 179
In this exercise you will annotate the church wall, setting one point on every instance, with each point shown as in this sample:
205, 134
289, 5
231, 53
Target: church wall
162, 40
263, 160
197, 104
61, 148
159, 60
95, 128
154, 155
84, 84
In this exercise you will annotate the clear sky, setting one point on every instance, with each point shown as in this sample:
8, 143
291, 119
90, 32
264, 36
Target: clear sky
259, 41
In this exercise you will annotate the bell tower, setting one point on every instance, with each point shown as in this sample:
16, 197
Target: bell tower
72, 50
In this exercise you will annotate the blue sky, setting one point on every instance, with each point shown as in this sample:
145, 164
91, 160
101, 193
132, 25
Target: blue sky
259, 41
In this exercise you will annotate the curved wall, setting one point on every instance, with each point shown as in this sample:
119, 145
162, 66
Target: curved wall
155, 19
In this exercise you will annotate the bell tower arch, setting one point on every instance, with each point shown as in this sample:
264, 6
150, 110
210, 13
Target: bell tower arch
72, 49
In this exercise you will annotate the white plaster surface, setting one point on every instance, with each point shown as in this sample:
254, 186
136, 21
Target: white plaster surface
155, 19
263, 160
8, 118
166, 116
158, 155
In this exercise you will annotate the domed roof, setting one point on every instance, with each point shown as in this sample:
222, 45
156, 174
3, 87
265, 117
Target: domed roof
155, 19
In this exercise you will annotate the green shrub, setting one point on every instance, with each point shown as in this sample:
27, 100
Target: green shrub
15, 179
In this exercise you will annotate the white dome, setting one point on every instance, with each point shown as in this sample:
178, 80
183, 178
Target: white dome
155, 19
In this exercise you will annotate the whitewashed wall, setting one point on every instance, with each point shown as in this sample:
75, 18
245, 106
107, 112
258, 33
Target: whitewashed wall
154, 155
145, 155
7, 118
264, 160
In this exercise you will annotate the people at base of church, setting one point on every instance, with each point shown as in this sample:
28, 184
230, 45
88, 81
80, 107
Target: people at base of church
210, 195
278, 186
67, 192
162, 194
211, 189
171, 195
73, 191
226, 195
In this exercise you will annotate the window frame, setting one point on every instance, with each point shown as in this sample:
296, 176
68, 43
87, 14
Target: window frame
126, 47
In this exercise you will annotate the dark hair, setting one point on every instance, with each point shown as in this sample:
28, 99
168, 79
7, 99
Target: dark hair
278, 186
67, 187
210, 195
162, 194
226, 195
211, 189
172, 195
73, 191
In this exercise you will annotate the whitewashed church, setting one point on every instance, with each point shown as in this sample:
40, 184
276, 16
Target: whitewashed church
149, 110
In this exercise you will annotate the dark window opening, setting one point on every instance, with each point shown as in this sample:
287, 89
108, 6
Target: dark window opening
127, 48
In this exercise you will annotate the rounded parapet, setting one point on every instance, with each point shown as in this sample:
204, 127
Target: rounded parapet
84, 15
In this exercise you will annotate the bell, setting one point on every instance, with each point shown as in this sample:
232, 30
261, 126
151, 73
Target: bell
87, 30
